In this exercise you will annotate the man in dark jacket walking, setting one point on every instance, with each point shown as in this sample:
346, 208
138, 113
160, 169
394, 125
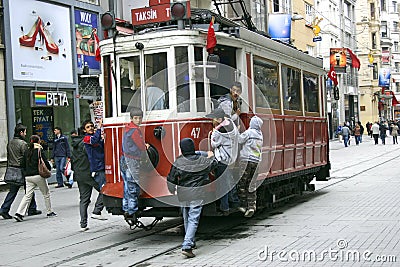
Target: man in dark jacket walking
61, 154
15, 157
187, 176
81, 167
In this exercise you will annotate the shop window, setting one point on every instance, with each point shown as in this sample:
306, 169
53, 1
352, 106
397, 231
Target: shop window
156, 91
130, 83
291, 88
182, 79
311, 92
266, 83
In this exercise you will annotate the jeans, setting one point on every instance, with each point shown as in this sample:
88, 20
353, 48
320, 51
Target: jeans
358, 139
11, 195
346, 140
376, 138
383, 137
60, 166
225, 186
100, 178
85, 192
130, 174
191, 211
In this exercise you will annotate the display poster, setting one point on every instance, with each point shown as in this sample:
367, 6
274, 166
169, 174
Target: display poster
85, 31
96, 111
43, 124
384, 77
40, 41
279, 27
337, 57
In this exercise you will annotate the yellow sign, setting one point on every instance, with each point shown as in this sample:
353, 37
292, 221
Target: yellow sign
370, 58
316, 28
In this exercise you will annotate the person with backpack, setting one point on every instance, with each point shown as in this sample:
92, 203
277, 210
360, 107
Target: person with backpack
132, 147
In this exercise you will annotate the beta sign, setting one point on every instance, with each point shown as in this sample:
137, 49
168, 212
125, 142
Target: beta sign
49, 99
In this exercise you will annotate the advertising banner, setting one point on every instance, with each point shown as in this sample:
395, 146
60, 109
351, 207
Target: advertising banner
279, 26
43, 124
337, 57
40, 41
85, 30
384, 77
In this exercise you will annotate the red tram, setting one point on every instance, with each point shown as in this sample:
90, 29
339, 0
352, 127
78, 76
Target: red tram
282, 85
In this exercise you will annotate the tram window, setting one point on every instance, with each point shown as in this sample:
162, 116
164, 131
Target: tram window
266, 82
182, 79
130, 83
156, 81
107, 85
310, 85
291, 88
200, 100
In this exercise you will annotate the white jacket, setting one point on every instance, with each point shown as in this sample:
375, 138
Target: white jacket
224, 141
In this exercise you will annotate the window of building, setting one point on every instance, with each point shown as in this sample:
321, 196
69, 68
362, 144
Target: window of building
395, 26
311, 92
310, 50
373, 38
397, 66
384, 29
394, 6
375, 71
276, 5
309, 14
396, 46
281, 6
372, 10
383, 5
258, 14
291, 88
266, 83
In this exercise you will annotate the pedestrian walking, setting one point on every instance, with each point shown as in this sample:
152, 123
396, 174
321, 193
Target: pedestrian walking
188, 174
68, 172
346, 133
357, 134
224, 141
375, 132
16, 158
34, 180
382, 132
361, 131
94, 145
395, 133
132, 147
61, 153
81, 166
250, 156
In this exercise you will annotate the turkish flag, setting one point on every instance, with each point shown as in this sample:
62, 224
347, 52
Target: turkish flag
211, 39
332, 75
97, 46
355, 62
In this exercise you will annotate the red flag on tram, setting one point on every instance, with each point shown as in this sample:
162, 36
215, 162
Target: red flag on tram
355, 62
211, 39
332, 75
97, 46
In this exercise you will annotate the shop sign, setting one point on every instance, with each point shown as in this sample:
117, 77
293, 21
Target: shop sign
49, 99
43, 124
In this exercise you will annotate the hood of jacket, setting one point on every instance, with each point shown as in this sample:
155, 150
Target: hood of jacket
256, 123
76, 140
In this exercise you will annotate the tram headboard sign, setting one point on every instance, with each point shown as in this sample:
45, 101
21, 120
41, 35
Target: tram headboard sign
49, 99
158, 11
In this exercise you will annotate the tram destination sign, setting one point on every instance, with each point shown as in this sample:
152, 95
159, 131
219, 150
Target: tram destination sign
158, 11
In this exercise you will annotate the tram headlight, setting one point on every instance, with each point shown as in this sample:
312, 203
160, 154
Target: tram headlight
139, 45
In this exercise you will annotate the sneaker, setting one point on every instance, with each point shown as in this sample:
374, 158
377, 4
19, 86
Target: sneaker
5, 215
51, 214
249, 213
18, 217
242, 210
98, 217
68, 184
35, 212
188, 253
84, 229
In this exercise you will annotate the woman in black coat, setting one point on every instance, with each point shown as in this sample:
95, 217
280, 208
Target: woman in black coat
33, 179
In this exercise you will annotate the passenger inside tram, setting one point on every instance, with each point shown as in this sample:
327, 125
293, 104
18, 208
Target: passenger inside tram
155, 97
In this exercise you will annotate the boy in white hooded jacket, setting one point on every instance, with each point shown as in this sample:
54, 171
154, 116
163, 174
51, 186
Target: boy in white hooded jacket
250, 156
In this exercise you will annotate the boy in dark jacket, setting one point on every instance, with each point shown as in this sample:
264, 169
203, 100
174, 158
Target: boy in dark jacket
132, 147
187, 175
61, 154
94, 145
81, 167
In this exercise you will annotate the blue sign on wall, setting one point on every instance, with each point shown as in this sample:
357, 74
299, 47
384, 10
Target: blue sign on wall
279, 26
85, 31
